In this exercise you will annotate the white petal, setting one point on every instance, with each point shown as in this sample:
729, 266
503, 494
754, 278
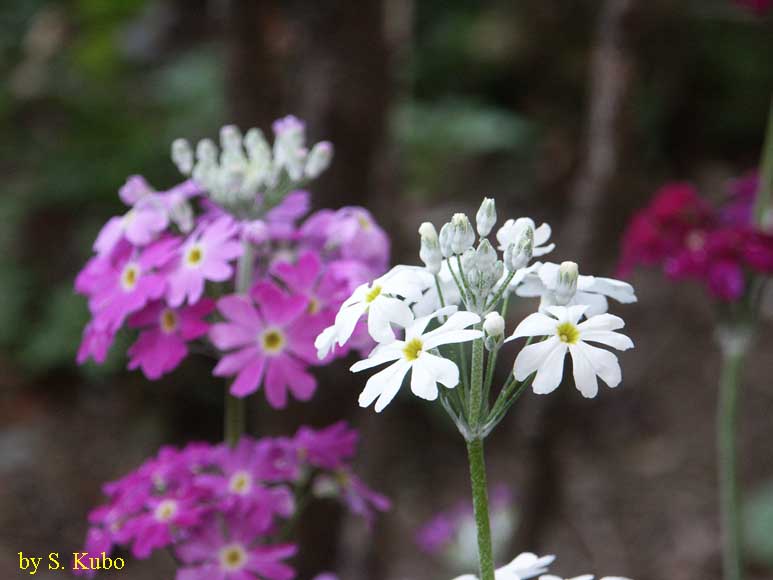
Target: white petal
621, 291
423, 383
325, 341
601, 322
384, 385
548, 273
420, 324
528, 565
379, 355
537, 252
443, 370
613, 339
357, 296
536, 324
551, 371
531, 285
584, 373
596, 303
346, 320
451, 337
542, 234
385, 311
604, 362
568, 313
531, 357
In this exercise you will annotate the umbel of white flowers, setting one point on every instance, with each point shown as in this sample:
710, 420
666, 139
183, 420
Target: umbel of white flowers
246, 166
444, 323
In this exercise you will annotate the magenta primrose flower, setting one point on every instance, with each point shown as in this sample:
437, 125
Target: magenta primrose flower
233, 555
206, 255
163, 342
270, 344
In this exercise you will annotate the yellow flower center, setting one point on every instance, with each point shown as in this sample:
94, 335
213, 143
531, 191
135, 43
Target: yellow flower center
129, 277
241, 482
372, 294
166, 510
314, 306
412, 349
363, 222
233, 557
168, 322
273, 341
568, 333
194, 256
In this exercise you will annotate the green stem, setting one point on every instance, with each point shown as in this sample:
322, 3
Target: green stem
235, 422
729, 496
478, 465
480, 505
765, 192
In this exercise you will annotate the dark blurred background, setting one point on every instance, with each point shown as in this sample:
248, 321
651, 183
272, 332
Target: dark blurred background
570, 111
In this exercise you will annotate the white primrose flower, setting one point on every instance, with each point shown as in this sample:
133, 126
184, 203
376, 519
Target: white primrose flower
525, 566
563, 333
512, 231
430, 300
386, 301
583, 577
414, 354
543, 282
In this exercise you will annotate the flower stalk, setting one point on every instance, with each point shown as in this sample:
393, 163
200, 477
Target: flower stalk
481, 507
235, 421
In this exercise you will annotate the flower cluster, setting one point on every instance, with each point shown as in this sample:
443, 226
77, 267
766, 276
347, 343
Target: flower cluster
528, 565
692, 239
224, 512
236, 226
423, 319
450, 534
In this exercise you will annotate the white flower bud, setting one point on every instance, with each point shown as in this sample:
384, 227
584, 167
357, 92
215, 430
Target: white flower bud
485, 257
566, 284
319, 159
486, 217
468, 260
429, 251
494, 324
446, 233
463, 235
181, 213
518, 254
182, 156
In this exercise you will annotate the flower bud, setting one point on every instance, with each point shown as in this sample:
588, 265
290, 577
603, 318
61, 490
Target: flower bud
518, 254
463, 236
446, 233
494, 324
182, 156
486, 217
566, 284
485, 257
429, 251
468, 260
319, 159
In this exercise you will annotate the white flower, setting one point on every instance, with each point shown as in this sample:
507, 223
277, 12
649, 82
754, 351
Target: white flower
386, 301
414, 354
494, 324
512, 230
565, 334
591, 291
429, 251
525, 566
486, 217
430, 300
583, 577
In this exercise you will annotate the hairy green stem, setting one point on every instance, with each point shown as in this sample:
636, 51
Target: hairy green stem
762, 204
480, 505
729, 495
235, 423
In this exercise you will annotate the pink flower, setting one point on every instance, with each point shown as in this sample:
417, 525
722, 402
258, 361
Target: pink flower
230, 553
164, 516
161, 347
759, 7
206, 255
358, 497
271, 345
96, 343
327, 448
125, 286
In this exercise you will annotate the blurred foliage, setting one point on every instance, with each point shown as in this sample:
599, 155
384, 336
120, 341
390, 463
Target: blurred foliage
758, 524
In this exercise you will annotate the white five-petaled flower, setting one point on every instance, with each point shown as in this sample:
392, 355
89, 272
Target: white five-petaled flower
512, 231
591, 291
381, 301
414, 354
563, 333
525, 566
